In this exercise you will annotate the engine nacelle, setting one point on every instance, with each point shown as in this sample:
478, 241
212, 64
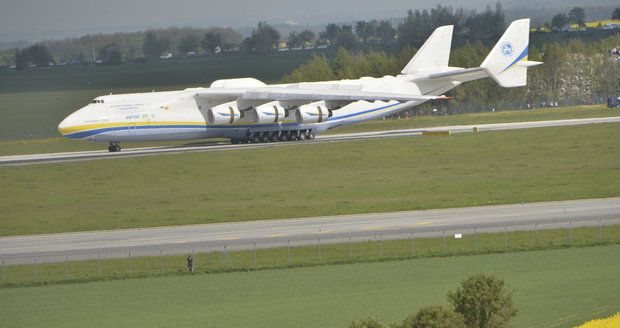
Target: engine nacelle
315, 112
227, 113
271, 112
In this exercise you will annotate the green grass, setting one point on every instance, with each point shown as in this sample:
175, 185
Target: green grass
136, 266
557, 288
312, 180
59, 144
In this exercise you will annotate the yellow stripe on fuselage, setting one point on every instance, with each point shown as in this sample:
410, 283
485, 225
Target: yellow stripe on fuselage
94, 126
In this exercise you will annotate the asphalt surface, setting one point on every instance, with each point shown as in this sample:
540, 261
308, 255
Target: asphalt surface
134, 152
305, 231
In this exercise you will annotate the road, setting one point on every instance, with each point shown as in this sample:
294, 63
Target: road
330, 229
133, 152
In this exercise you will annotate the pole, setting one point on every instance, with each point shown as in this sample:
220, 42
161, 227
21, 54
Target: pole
443, 233
254, 255
36, 270
225, 256
161, 260
350, 249
381, 239
288, 247
535, 233
318, 244
505, 237
412, 244
129, 260
66, 270
600, 230
99, 263
476, 239
570, 232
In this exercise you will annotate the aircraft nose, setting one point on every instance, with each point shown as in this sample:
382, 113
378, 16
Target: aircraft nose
65, 125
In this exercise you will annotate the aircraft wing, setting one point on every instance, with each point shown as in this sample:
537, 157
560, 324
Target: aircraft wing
273, 93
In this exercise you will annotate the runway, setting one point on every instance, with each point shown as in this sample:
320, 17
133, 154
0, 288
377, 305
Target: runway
134, 152
329, 229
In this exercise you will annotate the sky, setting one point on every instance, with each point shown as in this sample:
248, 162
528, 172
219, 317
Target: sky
35, 20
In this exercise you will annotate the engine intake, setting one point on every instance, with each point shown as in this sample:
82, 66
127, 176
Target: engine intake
227, 113
271, 112
315, 112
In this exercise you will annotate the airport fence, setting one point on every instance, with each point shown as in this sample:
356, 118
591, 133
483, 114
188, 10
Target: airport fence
320, 249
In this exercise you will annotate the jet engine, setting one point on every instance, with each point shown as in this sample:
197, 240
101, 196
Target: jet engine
315, 112
271, 112
227, 113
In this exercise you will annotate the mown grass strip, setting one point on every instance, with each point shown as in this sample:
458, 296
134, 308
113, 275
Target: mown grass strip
302, 256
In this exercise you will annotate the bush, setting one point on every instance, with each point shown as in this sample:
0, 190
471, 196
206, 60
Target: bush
370, 322
435, 317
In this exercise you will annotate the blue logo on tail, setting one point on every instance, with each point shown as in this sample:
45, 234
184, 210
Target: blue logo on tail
507, 49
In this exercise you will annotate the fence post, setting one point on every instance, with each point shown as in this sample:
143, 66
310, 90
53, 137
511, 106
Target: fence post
36, 270
476, 239
381, 239
99, 263
443, 234
505, 237
66, 269
535, 234
600, 230
318, 244
254, 255
412, 244
570, 232
161, 260
225, 256
288, 247
3, 272
129, 260
350, 249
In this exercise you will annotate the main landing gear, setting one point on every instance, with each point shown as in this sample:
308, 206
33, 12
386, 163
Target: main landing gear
275, 136
114, 147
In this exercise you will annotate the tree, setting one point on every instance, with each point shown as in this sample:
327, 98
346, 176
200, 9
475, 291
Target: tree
293, 40
151, 46
264, 38
558, 21
616, 14
365, 30
385, 31
305, 36
316, 69
346, 39
188, 43
331, 31
211, 41
110, 54
36, 54
435, 317
577, 16
483, 301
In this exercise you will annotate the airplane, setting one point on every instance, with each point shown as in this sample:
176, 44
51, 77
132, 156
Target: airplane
246, 110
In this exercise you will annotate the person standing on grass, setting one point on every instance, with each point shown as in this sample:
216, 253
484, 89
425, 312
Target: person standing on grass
190, 263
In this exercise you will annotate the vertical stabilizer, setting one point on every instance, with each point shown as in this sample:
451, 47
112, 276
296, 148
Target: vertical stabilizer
507, 62
434, 53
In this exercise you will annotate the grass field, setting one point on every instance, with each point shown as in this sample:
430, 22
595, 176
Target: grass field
557, 288
353, 177
59, 144
293, 255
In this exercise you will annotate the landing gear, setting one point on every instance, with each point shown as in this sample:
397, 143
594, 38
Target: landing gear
114, 147
275, 136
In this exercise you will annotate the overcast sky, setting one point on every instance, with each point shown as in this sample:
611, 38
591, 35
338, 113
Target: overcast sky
34, 20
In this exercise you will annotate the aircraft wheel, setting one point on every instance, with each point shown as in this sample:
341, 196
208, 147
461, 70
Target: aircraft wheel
265, 137
274, 137
111, 148
290, 136
255, 138
283, 136
234, 141
310, 135
302, 136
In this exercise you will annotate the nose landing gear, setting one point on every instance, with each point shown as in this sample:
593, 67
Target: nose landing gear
114, 147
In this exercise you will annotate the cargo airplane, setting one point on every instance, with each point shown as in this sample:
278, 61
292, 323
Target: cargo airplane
247, 110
